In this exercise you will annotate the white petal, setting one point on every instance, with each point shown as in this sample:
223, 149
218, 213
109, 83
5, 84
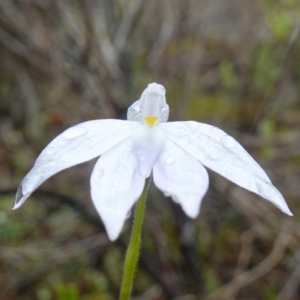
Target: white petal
182, 177
152, 104
224, 155
116, 185
148, 144
77, 144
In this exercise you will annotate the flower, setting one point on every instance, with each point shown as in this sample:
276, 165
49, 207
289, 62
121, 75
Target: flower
176, 153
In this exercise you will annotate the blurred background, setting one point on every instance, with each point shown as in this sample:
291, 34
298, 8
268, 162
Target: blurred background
230, 63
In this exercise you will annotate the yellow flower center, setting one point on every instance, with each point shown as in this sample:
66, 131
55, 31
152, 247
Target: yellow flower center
150, 120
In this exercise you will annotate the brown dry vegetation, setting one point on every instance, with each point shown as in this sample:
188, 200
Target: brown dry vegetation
231, 63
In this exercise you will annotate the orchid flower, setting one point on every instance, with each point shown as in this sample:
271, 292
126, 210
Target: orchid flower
176, 153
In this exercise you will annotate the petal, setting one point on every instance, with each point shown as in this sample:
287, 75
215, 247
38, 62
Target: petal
148, 144
182, 177
77, 144
116, 185
151, 104
224, 155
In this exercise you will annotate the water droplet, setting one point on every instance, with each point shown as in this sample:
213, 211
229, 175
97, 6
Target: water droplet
204, 139
214, 153
214, 131
49, 151
170, 160
142, 158
128, 148
228, 142
167, 194
73, 132
99, 173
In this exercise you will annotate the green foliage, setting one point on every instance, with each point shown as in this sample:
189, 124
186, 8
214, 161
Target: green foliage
67, 291
211, 281
216, 104
267, 129
43, 293
270, 292
114, 264
227, 75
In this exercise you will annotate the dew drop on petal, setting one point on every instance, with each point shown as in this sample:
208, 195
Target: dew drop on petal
214, 153
170, 160
49, 151
73, 132
99, 173
203, 139
228, 142
214, 131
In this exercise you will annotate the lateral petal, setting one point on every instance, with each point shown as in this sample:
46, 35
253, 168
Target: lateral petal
116, 184
76, 145
224, 155
181, 176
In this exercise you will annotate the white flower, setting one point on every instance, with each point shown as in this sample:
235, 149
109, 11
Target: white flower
130, 150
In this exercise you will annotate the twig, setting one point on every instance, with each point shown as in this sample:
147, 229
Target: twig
294, 38
291, 287
230, 289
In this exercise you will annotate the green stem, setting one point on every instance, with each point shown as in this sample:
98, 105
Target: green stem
133, 250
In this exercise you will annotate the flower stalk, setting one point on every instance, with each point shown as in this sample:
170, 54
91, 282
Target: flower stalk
133, 250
